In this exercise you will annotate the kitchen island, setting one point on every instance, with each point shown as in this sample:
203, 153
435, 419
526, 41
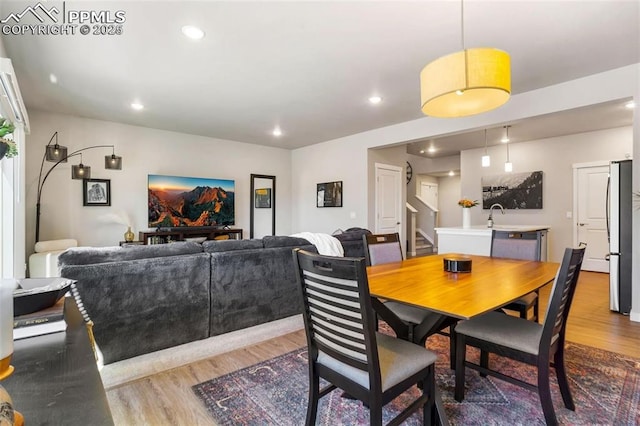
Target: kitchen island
477, 239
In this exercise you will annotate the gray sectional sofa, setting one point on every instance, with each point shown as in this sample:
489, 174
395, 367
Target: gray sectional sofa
146, 298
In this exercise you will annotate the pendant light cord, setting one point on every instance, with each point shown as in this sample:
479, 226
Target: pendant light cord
462, 22
485, 142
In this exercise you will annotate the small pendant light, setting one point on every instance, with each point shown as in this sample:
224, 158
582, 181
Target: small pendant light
486, 160
508, 166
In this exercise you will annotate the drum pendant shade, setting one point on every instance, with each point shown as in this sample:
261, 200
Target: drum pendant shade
465, 83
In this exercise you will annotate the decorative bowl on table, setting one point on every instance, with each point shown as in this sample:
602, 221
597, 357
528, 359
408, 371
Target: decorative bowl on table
34, 294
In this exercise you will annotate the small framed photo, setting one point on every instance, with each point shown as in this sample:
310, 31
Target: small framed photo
262, 198
329, 194
97, 192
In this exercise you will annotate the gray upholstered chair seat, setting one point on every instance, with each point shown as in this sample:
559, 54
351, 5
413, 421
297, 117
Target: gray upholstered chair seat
410, 313
399, 359
526, 300
504, 330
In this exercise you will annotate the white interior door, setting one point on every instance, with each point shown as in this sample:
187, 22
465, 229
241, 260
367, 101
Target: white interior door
388, 198
590, 220
429, 193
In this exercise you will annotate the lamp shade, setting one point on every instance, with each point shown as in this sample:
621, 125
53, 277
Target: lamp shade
80, 172
465, 83
55, 153
112, 162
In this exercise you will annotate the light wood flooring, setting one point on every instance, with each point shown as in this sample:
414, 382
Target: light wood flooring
166, 398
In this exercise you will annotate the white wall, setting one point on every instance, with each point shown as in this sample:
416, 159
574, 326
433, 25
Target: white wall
144, 151
554, 157
448, 196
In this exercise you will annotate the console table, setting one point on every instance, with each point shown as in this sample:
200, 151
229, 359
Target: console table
180, 234
56, 379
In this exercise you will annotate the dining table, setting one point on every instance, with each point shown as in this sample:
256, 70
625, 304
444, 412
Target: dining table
492, 282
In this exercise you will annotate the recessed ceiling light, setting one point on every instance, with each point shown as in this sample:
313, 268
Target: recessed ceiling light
192, 32
630, 105
277, 132
53, 79
422, 151
431, 150
375, 100
451, 173
137, 106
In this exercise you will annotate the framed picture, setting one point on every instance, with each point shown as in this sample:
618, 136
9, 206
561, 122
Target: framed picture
262, 198
329, 194
97, 192
513, 190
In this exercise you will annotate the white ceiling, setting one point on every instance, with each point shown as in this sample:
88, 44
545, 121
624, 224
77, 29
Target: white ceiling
309, 67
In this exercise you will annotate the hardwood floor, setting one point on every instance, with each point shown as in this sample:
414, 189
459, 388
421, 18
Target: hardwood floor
167, 398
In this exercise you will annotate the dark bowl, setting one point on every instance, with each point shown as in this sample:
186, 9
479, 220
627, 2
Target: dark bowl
44, 293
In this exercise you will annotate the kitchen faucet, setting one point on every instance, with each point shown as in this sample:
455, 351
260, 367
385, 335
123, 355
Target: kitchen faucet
490, 220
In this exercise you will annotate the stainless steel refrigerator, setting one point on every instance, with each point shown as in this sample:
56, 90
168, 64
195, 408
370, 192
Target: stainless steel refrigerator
619, 212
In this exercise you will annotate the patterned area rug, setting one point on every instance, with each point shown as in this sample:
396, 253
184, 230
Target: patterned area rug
605, 387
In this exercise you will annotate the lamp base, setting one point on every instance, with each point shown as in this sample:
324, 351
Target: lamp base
5, 368
8, 416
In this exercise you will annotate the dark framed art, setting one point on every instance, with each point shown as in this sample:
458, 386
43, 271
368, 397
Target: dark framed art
329, 194
96, 192
262, 198
513, 190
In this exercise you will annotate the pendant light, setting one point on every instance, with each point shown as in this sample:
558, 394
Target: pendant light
467, 82
508, 165
486, 160
113, 161
80, 171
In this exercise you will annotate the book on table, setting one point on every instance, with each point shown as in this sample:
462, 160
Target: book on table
45, 321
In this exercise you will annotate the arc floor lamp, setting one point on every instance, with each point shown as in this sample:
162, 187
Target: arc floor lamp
59, 154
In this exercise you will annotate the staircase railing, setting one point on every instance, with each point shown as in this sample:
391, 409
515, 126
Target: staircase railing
411, 232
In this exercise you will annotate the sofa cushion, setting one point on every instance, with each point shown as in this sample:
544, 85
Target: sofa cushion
273, 241
144, 305
213, 246
252, 287
352, 241
90, 255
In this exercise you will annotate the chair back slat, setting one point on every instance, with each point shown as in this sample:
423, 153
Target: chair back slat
337, 316
564, 288
513, 247
382, 248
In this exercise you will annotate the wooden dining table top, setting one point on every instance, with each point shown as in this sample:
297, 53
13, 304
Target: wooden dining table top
492, 283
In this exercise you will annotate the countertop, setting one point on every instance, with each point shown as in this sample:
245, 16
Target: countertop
483, 230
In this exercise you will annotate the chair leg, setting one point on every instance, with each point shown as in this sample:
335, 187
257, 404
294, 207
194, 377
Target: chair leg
484, 361
375, 413
536, 309
452, 347
314, 395
431, 408
563, 382
523, 312
544, 392
461, 352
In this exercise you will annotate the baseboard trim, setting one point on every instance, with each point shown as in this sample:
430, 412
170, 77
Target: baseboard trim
128, 370
634, 316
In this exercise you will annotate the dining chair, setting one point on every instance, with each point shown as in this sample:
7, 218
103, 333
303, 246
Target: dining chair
510, 247
525, 341
344, 348
408, 322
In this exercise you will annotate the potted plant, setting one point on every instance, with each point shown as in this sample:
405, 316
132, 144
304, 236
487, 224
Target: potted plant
8, 147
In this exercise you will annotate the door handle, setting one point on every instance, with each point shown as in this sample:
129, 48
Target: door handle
582, 224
